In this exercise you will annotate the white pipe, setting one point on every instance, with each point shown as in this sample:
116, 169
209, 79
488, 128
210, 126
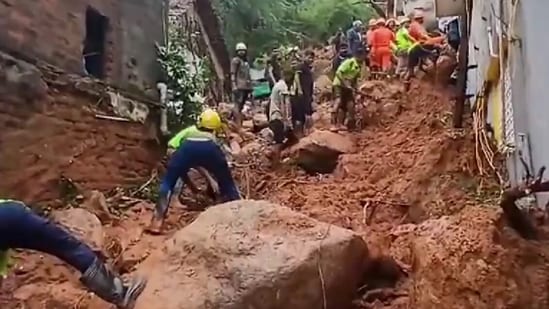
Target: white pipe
163, 90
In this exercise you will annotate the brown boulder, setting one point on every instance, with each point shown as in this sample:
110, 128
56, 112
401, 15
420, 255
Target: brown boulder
82, 224
319, 152
254, 254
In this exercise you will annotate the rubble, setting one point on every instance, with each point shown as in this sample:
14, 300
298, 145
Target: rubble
255, 254
83, 224
319, 151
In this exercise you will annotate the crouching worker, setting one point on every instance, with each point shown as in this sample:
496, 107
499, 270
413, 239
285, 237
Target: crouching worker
173, 145
344, 84
20, 228
280, 115
196, 151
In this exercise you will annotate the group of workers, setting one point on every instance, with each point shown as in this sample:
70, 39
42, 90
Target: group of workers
404, 42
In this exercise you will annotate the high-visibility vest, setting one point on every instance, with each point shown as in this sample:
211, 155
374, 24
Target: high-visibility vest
4, 255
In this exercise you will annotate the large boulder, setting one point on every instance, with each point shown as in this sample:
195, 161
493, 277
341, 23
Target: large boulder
470, 261
254, 254
82, 224
319, 152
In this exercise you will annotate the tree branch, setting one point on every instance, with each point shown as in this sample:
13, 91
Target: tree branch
517, 219
379, 10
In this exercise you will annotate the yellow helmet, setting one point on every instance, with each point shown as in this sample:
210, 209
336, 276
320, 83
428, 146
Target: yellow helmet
209, 119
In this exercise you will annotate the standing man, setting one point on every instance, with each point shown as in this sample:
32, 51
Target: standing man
344, 84
241, 80
20, 228
403, 43
354, 36
280, 116
382, 41
302, 95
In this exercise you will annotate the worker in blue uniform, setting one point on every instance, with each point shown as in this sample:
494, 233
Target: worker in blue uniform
21, 228
199, 150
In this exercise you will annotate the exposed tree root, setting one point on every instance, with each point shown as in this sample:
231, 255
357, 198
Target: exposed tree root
517, 219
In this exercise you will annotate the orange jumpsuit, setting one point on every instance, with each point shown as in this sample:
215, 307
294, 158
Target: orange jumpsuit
382, 38
369, 35
417, 31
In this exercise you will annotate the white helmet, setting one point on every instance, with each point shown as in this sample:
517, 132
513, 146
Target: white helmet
357, 23
241, 46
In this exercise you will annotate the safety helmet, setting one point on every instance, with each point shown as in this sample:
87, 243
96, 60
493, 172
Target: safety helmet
380, 21
372, 22
418, 14
241, 46
209, 119
403, 20
391, 20
357, 23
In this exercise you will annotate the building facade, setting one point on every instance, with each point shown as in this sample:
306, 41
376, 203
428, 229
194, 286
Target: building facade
110, 39
507, 52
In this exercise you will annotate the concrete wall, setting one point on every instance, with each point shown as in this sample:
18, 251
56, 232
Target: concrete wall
54, 30
530, 87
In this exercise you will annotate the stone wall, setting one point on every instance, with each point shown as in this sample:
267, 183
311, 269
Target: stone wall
49, 134
53, 31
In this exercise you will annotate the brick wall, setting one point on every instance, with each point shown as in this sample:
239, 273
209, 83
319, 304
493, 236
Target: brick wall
53, 31
47, 133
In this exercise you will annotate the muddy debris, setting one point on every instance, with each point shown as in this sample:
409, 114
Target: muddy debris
319, 152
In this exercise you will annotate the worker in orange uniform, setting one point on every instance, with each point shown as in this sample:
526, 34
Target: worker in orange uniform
370, 59
392, 24
382, 45
417, 29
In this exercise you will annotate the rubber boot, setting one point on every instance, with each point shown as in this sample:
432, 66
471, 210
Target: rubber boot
333, 121
340, 120
157, 221
106, 284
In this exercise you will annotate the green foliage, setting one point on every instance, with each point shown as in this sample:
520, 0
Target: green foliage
264, 25
187, 78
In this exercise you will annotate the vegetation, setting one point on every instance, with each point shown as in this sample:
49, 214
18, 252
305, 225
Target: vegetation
186, 77
265, 25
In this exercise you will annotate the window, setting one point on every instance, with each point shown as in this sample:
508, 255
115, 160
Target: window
94, 43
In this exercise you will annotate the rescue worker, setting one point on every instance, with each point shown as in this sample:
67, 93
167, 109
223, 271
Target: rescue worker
337, 40
280, 116
419, 51
417, 29
301, 95
20, 228
382, 45
173, 145
370, 60
354, 36
344, 84
392, 24
240, 80
197, 151
273, 68
403, 43
340, 57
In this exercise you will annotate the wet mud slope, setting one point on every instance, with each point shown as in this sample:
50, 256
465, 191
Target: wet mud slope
409, 188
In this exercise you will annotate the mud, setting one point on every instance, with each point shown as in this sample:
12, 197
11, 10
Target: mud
411, 190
